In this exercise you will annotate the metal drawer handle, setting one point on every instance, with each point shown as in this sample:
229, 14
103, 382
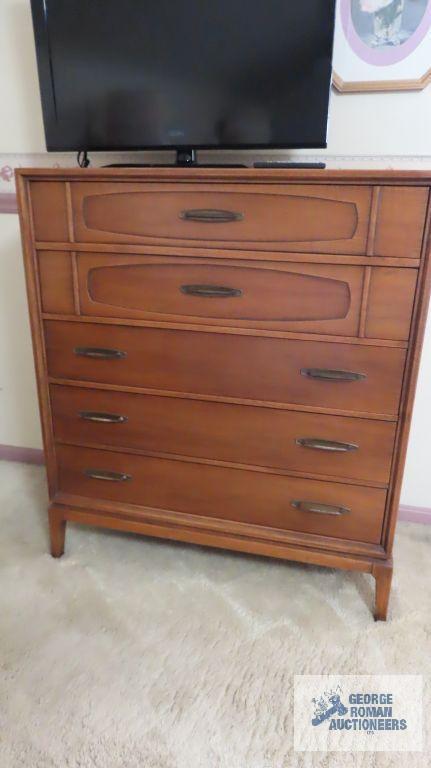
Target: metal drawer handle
99, 353
332, 375
325, 445
211, 291
112, 477
320, 509
211, 216
102, 418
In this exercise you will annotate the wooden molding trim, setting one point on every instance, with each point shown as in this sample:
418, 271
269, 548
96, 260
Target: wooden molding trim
364, 86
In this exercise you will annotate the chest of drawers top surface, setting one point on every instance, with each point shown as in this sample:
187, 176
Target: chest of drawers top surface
229, 351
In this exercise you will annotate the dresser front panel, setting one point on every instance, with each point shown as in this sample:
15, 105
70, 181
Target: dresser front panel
239, 495
298, 217
323, 299
229, 365
400, 223
337, 446
299, 297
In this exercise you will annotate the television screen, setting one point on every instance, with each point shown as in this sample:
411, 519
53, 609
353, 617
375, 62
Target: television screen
160, 74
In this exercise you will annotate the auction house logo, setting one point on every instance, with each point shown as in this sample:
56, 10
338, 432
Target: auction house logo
358, 713
367, 712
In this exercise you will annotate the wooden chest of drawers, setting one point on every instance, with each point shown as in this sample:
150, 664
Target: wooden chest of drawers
228, 357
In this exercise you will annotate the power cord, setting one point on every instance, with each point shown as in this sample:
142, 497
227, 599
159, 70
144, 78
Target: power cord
82, 159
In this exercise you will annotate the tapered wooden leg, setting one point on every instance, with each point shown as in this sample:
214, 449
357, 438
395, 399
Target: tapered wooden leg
57, 531
382, 573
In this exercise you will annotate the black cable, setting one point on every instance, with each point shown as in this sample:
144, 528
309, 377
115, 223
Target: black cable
82, 159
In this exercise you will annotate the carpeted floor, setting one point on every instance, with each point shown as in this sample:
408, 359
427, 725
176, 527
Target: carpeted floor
131, 653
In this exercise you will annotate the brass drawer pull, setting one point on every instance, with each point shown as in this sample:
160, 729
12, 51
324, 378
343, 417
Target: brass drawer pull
325, 445
211, 216
112, 477
332, 375
211, 291
320, 509
102, 418
99, 354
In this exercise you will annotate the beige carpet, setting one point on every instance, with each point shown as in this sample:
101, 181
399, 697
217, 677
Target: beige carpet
141, 654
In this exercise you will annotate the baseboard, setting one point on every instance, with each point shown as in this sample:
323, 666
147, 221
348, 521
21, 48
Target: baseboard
25, 455
8, 202
406, 514
409, 514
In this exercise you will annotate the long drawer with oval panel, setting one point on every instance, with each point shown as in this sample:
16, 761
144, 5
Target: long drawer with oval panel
323, 218
299, 217
326, 375
304, 298
310, 506
350, 448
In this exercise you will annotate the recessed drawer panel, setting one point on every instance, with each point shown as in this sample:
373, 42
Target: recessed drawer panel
301, 217
49, 211
298, 297
390, 303
335, 376
56, 282
400, 221
357, 449
309, 506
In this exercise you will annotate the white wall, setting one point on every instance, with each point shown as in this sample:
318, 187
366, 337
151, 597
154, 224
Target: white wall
383, 129
364, 124
417, 478
19, 417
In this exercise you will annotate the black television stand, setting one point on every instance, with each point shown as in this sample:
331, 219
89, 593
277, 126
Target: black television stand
187, 158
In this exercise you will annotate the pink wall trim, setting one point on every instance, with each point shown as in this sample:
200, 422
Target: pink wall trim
406, 514
8, 202
25, 455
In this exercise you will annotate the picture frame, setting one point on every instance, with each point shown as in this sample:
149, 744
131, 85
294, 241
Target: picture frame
382, 45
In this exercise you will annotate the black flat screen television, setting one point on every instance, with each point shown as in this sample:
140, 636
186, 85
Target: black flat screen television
166, 74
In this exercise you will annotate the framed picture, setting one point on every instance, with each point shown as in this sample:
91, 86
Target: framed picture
382, 45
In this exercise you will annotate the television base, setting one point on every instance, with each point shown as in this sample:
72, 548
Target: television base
175, 165
185, 158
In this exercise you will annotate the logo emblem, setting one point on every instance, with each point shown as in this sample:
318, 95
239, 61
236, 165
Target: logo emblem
328, 705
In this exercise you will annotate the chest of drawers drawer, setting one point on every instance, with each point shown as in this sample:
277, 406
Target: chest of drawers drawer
301, 297
301, 217
306, 298
357, 449
333, 219
256, 498
336, 376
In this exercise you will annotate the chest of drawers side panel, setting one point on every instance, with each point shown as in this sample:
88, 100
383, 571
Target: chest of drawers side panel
35, 311
420, 314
